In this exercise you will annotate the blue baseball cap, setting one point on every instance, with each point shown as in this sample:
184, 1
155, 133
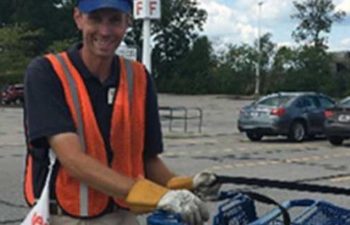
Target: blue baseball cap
87, 6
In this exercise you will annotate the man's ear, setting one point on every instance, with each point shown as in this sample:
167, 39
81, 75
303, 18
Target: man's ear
77, 15
130, 19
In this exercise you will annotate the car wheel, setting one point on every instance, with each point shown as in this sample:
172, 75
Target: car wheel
297, 132
254, 136
335, 140
18, 101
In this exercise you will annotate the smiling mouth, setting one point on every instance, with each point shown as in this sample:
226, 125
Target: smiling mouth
102, 43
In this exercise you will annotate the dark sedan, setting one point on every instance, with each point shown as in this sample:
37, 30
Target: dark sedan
337, 123
296, 115
12, 94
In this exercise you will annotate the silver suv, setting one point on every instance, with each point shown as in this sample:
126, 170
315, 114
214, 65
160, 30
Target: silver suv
296, 115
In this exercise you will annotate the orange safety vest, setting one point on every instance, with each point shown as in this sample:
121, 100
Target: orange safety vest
126, 136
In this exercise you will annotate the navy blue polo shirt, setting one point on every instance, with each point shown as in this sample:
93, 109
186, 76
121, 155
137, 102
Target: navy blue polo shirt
47, 113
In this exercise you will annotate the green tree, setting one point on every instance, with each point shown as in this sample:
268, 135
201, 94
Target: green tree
284, 63
172, 35
28, 27
193, 71
16, 49
61, 45
236, 70
312, 69
53, 17
306, 68
7, 9
316, 18
267, 52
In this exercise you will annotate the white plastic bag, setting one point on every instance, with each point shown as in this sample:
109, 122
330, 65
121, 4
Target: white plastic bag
40, 213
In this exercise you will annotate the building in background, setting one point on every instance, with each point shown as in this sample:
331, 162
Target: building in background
340, 62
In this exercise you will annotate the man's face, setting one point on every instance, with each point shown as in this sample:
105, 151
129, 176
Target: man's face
102, 30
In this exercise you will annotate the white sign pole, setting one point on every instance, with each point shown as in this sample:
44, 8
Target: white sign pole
146, 49
146, 53
147, 10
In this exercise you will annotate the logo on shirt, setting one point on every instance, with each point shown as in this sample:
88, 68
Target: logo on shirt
110, 96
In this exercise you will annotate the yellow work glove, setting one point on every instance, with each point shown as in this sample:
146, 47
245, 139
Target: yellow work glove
180, 182
146, 196
203, 184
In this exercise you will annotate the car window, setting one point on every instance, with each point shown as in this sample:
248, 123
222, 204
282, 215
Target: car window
306, 102
345, 102
274, 100
19, 88
316, 101
326, 102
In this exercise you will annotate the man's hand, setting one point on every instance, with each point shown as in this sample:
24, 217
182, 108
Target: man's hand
192, 210
146, 196
205, 186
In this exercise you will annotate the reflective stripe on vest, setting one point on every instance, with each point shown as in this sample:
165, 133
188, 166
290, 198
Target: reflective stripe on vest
80, 130
126, 135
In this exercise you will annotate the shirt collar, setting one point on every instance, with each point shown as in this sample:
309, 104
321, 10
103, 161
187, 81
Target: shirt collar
73, 53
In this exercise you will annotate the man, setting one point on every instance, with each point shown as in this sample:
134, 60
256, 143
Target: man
98, 113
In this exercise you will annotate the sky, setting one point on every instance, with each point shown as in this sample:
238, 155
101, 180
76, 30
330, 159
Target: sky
236, 22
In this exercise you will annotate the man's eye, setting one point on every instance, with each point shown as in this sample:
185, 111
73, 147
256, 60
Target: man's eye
116, 20
95, 19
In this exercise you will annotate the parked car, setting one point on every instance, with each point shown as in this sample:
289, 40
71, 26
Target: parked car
12, 94
297, 115
337, 123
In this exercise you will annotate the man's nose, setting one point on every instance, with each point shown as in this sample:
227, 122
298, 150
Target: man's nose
105, 28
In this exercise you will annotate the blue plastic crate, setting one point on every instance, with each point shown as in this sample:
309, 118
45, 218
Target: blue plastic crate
239, 209
236, 208
163, 218
313, 212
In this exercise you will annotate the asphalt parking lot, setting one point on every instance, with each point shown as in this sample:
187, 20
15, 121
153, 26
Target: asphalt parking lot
218, 147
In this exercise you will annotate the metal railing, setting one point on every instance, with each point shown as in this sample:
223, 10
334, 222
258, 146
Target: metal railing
182, 113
